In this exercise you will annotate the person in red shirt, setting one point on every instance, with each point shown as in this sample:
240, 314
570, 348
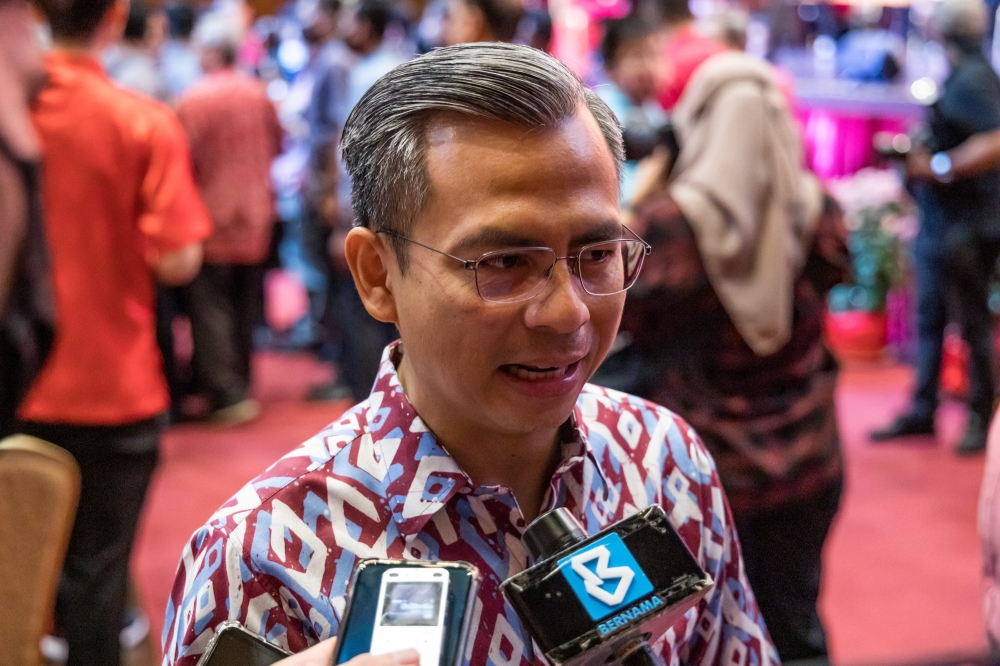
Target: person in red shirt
234, 133
122, 211
684, 49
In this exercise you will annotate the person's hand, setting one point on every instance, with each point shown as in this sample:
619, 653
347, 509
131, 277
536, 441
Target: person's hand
321, 654
918, 165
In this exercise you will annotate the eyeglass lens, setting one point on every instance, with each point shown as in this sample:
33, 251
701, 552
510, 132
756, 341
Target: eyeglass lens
519, 274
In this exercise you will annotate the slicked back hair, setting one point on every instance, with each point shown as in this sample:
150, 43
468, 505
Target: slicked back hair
384, 141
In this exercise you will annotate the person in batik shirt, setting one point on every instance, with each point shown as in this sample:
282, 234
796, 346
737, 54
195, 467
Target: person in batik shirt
486, 187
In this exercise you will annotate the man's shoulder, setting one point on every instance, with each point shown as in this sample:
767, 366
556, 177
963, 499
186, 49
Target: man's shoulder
630, 416
307, 469
619, 401
137, 116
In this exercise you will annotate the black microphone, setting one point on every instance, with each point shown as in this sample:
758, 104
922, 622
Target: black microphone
598, 600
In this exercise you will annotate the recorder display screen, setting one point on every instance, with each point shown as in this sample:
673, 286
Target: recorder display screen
411, 604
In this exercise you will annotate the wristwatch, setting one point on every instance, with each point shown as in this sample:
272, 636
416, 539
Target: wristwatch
941, 167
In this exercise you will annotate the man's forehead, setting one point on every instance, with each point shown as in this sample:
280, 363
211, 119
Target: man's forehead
451, 127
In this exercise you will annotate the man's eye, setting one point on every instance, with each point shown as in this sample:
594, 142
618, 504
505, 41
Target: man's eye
597, 255
504, 261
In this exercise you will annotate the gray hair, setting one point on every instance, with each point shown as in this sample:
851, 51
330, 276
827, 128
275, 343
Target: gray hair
384, 137
961, 19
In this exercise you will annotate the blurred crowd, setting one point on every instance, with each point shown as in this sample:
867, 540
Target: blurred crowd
222, 163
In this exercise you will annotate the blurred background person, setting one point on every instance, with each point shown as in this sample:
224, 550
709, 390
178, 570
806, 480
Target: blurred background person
630, 52
234, 134
347, 71
685, 46
26, 306
957, 188
726, 327
481, 21
132, 62
180, 66
121, 212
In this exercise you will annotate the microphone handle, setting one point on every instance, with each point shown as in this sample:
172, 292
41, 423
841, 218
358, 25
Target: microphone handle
641, 656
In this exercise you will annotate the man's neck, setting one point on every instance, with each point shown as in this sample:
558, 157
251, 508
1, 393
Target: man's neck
523, 463
85, 49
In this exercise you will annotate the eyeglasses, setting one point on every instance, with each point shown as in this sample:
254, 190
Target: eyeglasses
519, 274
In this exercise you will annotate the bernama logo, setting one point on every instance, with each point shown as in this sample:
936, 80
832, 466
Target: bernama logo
605, 577
625, 618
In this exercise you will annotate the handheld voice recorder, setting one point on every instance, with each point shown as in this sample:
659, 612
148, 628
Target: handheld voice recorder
396, 604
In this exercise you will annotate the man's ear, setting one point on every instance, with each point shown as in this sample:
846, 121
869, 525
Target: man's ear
371, 261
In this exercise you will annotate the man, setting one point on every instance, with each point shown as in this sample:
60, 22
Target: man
26, 308
956, 181
629, 51
234, 134
344, 76
132, 62
486, 188
685, 48
122, 212
180, 66
470, 21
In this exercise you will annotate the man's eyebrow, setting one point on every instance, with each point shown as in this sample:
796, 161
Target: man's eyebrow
492, 237
610, 230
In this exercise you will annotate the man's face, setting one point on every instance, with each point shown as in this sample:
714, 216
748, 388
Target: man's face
510, 368
463, 24
637, 68
356, 31
20, 47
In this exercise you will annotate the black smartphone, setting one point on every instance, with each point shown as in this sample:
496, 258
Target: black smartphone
399, 604
233, 645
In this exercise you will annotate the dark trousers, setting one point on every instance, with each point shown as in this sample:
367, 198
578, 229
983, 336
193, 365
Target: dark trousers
170, 304
782, 552
362, 337
225, 305
116, 465
343, 322
969, 260
932, 317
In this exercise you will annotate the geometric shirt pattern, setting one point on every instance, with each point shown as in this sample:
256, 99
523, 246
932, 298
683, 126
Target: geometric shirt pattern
278, 556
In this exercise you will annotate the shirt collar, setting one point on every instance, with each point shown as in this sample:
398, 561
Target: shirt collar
424, 477
61, 59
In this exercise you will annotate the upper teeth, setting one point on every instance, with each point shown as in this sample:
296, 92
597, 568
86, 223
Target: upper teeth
522, 372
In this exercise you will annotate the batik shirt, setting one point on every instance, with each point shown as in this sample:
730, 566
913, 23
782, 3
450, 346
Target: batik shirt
278, 556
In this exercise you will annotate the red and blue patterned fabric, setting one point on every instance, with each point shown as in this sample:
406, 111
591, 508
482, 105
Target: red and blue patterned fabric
278, 556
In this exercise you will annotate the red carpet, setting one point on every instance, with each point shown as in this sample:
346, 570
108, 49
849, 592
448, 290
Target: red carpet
902, 569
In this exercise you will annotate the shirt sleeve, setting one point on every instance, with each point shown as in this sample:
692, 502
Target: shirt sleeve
172, 214
729, 627
214, 584
971, 99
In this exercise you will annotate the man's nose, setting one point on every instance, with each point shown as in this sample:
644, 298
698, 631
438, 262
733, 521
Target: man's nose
561, 306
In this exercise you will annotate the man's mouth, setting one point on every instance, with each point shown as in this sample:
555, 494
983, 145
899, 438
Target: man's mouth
534, 373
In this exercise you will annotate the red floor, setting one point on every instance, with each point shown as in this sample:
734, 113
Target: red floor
902, 568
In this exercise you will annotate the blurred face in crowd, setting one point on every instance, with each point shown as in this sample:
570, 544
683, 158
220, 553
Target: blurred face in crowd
157, 30
636, 68
322, 26
464, 24
357, 32
20, 50
510, 368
